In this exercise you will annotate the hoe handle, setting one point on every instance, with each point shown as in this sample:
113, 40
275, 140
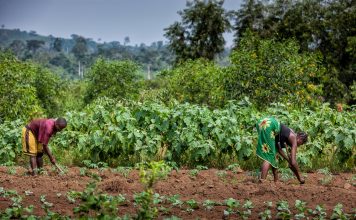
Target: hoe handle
59, 168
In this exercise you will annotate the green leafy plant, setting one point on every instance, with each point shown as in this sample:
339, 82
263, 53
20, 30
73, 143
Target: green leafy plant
102, 205
232, 206
16, 210
283, 211
150, 173
338, 213
222, 174
266, 214
192, 205
125, 171
82, 171
235, 168
175, 200
301, 208
209, 204
201, 167
193, 173
248, 206
286, 174
318, 213
11, 170
328, 177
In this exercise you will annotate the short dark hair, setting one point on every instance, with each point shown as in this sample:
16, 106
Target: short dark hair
61, 122
303, 136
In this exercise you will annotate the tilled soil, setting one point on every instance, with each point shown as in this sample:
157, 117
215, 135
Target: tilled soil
209, 184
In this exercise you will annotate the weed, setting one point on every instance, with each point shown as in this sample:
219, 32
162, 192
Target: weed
222, 174
235, 168
125, 171
201, 167
193, 173
11, 170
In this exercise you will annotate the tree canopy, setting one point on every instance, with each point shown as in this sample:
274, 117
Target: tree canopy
200, 33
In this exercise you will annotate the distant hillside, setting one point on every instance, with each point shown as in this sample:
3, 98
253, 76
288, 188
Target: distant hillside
65, 55
70, 57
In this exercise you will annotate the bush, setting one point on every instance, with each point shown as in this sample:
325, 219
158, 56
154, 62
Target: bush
267, 72
196, 82
113, 79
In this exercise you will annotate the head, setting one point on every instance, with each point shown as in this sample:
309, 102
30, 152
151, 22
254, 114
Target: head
302, 138
60, 124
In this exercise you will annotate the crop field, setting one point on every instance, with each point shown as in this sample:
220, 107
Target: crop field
185, 194
149, 161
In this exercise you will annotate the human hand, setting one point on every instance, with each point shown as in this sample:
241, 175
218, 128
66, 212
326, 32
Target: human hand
302, 181
53, 160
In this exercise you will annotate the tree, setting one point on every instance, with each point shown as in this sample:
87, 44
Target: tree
18, 98
17, 47
196, 82
318, 26
27, 90
268, 71
113, 79
200, 33
80, 48
34, 45
57, 44
126, 40
249, 17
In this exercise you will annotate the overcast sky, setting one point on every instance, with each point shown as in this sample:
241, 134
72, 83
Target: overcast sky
142, 21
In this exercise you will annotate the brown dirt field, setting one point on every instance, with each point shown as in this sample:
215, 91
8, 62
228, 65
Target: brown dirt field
206, 185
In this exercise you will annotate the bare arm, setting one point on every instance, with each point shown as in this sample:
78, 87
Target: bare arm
48, 152
293, 159
281, 152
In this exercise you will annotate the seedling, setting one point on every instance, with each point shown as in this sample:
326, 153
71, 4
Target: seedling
319, 212
83, 171
175, 201
301, 207
164, 210
235, 168
209, 204
285, 174
283, 210
201, 167
11, 170
173, 218
338, 213
125, 171
192, 204
222, 174
232, 205
266, 214
248, 206
193, 173
327, 179
157, 199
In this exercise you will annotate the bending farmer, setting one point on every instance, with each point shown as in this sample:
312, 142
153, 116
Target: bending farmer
272, 137
35, 137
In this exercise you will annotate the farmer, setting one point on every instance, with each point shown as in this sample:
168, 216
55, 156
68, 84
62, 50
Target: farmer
272, 137
35, 137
